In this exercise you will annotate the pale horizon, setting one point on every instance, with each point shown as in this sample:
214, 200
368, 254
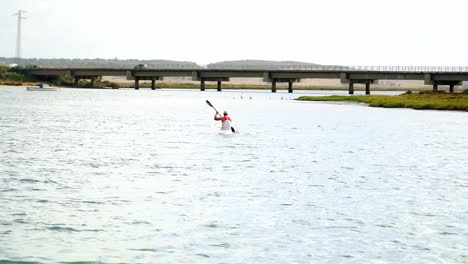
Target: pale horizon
334, 32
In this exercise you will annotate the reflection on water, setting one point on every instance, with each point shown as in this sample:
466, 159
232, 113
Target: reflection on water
124, 176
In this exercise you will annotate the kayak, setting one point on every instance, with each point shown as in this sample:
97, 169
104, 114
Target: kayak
226, 132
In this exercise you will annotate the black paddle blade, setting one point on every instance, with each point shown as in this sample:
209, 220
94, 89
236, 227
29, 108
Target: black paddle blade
233, 130
208, 102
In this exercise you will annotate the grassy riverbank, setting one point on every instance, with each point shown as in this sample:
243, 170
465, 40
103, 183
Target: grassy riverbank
424, 100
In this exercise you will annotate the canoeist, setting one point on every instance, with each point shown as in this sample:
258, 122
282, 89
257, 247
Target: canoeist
225, 120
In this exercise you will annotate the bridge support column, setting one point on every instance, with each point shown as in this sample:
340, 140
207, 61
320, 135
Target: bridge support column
153, 84
202, 85
452, 88
219, 86
137, 83
367, 88
76, 81
290, 87
273, 86
93, 82
435, 87
351, 88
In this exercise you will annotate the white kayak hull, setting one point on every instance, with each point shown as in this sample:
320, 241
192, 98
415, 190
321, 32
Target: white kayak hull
226, 132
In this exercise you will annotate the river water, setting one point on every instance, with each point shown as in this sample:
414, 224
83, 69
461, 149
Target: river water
125, 176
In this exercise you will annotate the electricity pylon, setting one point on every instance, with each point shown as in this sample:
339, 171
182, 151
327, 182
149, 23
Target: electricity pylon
18, 35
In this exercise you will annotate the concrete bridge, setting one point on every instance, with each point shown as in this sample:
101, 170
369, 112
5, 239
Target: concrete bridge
435, 76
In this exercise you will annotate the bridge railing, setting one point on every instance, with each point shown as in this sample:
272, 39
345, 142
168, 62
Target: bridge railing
174, 66
295, 67
341, 68
411, 68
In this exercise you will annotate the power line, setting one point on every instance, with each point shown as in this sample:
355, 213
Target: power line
20, 16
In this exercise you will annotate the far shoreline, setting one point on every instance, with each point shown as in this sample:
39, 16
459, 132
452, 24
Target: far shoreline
189, 86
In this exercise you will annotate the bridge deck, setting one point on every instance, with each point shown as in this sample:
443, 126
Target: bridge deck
431, 76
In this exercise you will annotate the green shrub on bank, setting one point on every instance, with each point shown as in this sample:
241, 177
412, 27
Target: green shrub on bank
84, 84
62, 80
13, 76
3, 71
97, 84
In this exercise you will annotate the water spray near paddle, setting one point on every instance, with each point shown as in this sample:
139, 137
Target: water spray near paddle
223, 119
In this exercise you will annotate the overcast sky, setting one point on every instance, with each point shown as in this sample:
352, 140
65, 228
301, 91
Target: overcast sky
344, 32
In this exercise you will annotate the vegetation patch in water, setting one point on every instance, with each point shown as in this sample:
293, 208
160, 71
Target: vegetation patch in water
422, 100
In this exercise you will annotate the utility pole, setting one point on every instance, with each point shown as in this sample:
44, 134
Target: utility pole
18, 35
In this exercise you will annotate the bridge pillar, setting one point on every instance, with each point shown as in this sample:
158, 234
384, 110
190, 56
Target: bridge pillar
367, 87
76, 81
219, 86
351, 87
93, 82
137, 83
452, 88
290, 87
273, 86
202, 85
153, 84
435, 87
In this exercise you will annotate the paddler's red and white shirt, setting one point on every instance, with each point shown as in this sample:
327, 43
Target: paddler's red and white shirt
226, 123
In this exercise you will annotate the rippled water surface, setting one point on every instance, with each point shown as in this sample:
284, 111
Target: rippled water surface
124, 176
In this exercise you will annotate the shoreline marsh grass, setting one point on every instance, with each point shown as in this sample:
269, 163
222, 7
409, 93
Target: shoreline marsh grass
419, 101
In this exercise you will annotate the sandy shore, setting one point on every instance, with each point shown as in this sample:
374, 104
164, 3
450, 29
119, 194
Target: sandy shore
332, 83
